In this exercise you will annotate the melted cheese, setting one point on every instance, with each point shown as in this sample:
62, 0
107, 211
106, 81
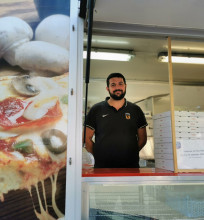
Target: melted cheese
43, 214
54, 189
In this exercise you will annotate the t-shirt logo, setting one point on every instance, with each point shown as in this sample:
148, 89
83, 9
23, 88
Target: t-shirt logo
127, 115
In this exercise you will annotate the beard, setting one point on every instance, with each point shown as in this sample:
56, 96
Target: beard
117, 97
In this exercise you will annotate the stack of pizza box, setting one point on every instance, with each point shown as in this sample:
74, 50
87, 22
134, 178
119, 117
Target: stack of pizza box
189, 129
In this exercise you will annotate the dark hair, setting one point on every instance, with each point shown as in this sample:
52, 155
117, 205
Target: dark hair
112, 75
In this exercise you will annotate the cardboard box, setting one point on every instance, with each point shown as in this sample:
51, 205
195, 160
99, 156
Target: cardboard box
178, 113
158, 131
163, 156
200, 114
182, 134
164, 164
162, 140
166, 122
165, 148
163, 151
178, 129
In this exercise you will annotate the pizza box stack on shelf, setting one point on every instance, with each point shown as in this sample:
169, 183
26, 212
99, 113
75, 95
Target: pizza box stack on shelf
189, 128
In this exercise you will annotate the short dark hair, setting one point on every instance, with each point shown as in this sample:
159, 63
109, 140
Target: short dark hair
112, 75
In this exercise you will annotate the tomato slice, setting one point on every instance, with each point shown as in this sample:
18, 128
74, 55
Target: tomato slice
11, 114
6, 144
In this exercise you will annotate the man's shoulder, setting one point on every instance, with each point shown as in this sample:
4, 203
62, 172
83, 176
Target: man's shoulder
98, 105
133, 105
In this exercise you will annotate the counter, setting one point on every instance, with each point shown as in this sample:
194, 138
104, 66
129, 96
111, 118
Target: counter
145, 193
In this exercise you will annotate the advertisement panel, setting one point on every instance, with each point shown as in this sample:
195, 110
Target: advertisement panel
34, 70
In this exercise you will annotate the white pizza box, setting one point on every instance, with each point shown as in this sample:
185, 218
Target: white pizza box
166, 122
178, 129
189, 135
160, 140
163, 156
183, 134
193, 124
165, 148
201, 122
161, 123
191, 113
177, 113
162, 115
164, 140
201, 129
186, 118
200, 114
168, 114
164, 164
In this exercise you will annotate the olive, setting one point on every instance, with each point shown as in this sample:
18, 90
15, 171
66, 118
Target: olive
55, 141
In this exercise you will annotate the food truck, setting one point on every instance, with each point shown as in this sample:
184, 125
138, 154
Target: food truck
47, 88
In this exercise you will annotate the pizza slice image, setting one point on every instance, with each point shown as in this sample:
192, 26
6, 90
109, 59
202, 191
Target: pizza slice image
33, 135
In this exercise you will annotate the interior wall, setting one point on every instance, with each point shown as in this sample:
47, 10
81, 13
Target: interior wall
136, 90
174, 13
189, 98
185, 97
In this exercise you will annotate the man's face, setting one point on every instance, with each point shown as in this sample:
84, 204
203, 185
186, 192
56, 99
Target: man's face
116, 88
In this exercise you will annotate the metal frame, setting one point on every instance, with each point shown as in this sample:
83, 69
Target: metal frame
146, 180
74, 153
137, 30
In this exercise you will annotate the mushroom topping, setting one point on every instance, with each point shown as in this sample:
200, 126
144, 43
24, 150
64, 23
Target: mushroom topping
24, 86
55, 141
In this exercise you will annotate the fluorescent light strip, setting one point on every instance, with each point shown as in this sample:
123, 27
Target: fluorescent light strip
108, 41
109, 56
182, 59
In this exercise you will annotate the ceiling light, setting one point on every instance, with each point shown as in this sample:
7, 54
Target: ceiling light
101, 41
116, 55
182, 58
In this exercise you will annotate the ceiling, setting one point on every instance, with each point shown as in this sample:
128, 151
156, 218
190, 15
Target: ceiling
143, 26
145, 65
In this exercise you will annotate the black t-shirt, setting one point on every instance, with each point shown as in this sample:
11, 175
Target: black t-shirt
116, 143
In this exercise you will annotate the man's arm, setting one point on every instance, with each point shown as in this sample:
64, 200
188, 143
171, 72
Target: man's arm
142, 137
89, 143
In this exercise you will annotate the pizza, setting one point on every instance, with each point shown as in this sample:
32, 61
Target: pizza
33, 133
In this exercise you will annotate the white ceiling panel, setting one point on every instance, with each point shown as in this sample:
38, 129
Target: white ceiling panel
167, 13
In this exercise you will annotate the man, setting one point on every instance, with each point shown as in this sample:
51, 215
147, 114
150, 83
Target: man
119, 127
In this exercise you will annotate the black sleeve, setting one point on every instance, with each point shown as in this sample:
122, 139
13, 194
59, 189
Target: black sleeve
90, 118
141, 118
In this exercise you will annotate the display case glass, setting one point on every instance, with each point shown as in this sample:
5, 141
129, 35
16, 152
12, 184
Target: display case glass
149, 195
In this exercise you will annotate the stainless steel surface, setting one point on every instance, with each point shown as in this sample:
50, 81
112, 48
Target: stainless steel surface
150, 180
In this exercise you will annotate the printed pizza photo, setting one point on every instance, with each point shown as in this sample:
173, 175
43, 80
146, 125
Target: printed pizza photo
34, 70
33, 132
